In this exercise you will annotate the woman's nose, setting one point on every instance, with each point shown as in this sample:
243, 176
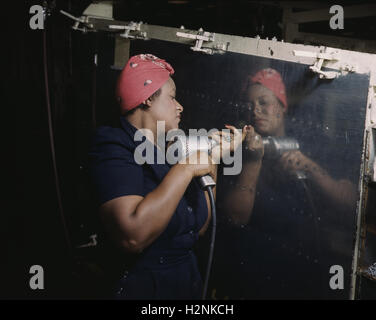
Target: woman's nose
256, 108
179, 106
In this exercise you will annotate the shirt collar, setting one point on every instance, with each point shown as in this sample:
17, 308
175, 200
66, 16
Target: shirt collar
159, 169
130, 130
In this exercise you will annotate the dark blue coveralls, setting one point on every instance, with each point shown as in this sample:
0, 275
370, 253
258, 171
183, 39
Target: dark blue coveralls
168, 268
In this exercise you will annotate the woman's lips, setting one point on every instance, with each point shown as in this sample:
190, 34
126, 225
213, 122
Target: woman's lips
260, 121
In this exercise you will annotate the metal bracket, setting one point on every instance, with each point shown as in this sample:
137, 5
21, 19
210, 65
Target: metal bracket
93, 242
320, 60
132, 26
83, 19
87, 26
200, 37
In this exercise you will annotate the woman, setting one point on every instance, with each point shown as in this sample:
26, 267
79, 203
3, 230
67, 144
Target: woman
284, 241
266, 98
155, 211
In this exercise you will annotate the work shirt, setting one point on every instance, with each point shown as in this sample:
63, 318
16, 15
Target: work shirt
167, 269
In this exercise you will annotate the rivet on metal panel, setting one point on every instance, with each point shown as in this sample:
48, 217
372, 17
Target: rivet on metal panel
348, 68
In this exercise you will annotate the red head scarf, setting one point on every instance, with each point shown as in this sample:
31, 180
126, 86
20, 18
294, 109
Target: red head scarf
272, 80
143, 75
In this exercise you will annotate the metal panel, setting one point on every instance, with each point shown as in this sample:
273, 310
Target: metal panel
328, 118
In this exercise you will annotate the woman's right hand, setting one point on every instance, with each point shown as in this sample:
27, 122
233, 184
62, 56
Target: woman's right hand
227, 142
198, 164
254, 148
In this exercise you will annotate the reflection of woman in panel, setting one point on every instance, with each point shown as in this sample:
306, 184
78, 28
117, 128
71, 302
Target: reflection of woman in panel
281, 239
266, 98
155, 211
283, 232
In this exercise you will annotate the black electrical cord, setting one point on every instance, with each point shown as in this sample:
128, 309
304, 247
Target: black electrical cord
315, 215
52, 144
316, 221
212, 241
94, 86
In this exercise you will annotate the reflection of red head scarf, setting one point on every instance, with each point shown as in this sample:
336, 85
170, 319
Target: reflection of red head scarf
143, 75
272, 80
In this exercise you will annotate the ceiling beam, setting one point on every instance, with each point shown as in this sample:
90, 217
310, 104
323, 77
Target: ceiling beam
357, 11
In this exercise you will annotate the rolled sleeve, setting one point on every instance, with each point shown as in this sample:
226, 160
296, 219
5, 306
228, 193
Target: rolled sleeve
113, 170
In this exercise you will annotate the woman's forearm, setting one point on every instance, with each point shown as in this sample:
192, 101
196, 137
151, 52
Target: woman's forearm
340, 192
240, 200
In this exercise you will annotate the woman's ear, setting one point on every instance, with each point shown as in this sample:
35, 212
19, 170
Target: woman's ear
284, 109
147, 102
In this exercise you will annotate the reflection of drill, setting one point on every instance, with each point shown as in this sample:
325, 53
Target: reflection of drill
274, 147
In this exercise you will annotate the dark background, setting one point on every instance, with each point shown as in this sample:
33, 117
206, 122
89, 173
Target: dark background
32, 230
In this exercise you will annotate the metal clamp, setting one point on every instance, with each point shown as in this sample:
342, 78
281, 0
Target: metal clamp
83, 19
132, 26
200, 37
93, 242
320, 60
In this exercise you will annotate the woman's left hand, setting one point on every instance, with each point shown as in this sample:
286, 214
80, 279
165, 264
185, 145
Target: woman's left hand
293, 161
227, 142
